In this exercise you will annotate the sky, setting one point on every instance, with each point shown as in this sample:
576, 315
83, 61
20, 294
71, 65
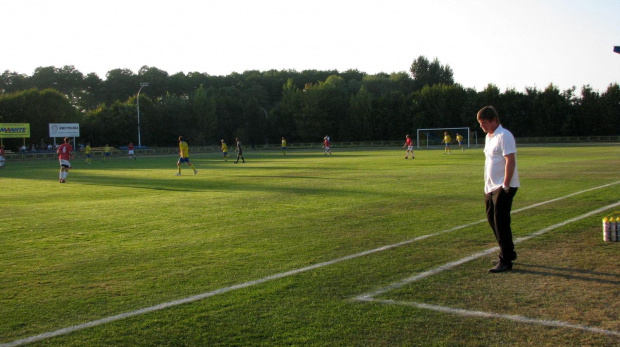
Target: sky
514, 44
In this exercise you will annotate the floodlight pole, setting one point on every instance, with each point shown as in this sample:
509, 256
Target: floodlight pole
142, 85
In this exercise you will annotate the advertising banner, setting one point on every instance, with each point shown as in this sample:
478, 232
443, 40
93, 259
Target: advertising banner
64, 130
14, 130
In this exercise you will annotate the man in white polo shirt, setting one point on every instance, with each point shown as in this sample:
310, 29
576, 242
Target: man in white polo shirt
501, 181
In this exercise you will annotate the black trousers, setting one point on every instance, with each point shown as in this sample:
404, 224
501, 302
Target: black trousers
498, 206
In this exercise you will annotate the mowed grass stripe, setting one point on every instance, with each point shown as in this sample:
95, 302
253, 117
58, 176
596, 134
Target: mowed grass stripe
137, 236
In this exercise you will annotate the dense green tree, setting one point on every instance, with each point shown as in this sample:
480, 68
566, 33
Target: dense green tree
301, 106
11, 82
427, 73
284, 114
39, 108
92, 93
609, 118
120, 85
157, 79
204, 118
361, 121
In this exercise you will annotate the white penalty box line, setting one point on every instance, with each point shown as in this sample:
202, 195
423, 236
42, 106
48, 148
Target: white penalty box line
248, 284
370, 297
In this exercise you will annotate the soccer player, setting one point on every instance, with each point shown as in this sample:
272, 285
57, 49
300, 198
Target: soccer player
65, 153
283, 146
2, 160
446, 139
130, 151
239, 151
459, 139
106, 152
88, 153
501, 181
327, 146
224, 150
184, 156
409, 145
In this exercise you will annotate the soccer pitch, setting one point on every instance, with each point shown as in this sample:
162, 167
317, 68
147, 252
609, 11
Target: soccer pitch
358, 248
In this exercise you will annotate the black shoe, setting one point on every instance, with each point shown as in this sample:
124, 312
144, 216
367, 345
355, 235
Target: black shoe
501, 267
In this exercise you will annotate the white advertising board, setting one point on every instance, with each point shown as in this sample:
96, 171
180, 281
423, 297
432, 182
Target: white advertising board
64, 130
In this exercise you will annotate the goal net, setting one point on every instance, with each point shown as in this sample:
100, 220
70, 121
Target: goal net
433, 136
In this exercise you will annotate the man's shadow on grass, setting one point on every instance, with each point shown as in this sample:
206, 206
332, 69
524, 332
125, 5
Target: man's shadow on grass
569, 273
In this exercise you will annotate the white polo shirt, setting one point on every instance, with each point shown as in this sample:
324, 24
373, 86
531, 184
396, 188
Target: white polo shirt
496, 146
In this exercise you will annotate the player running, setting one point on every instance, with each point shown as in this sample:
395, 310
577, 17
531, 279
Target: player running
65, 153
409, 145
184, 156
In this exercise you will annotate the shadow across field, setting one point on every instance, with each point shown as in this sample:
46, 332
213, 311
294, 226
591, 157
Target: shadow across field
186, 183
575, 274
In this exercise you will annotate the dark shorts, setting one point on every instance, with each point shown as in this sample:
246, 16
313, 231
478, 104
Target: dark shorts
184, 160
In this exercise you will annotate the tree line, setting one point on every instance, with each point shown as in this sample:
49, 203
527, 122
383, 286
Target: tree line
261, 107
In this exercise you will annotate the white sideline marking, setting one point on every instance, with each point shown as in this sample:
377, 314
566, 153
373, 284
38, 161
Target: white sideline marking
516, 318
370, 297
202, 296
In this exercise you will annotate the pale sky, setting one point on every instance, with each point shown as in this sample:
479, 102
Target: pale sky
512, 44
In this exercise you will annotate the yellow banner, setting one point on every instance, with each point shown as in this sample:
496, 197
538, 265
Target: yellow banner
14, 130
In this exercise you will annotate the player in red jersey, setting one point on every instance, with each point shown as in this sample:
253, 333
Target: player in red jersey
130, 151
2, 160
65, 153
327, 146
409, 145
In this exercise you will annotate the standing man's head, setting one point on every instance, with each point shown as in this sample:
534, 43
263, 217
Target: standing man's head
488, 119
180, 138
67, 140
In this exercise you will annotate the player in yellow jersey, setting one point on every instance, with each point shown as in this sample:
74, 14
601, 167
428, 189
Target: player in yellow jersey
88, 153
184, 156
106, 152
446, 139
459, 140
224, 150
283, 146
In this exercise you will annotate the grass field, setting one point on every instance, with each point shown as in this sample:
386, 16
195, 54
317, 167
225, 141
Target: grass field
361, 248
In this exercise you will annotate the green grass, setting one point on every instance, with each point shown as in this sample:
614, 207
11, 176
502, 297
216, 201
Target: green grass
126, 235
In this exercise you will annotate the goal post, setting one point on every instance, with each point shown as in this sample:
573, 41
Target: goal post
434, 136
